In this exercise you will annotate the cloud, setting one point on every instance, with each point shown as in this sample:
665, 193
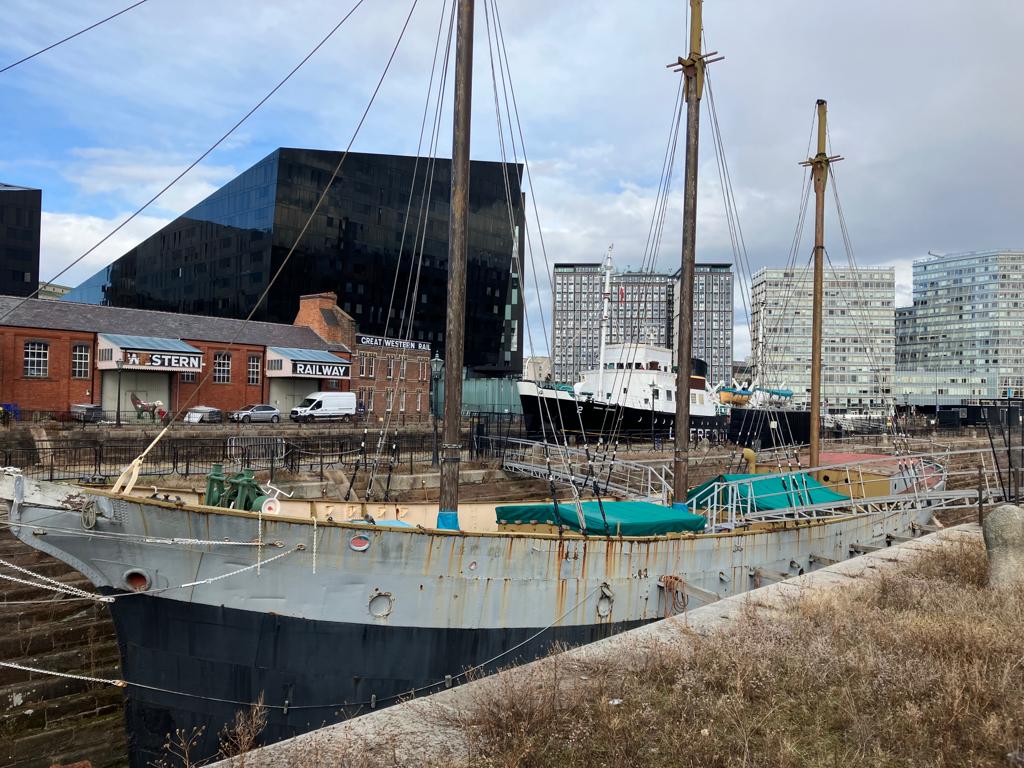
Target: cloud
931, 139
132, 177
66, 236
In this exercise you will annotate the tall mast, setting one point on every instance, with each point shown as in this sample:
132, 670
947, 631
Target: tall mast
819, 165
693, 71
606, 300
458, 235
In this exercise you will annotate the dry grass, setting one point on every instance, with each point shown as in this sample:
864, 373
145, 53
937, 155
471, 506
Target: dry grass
922, 668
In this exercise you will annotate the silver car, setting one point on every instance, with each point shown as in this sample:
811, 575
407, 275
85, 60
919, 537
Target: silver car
256, 413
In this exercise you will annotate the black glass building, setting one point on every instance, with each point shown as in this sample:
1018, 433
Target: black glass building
219, 257
20, 210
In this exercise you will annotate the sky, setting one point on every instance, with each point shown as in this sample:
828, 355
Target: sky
924, 105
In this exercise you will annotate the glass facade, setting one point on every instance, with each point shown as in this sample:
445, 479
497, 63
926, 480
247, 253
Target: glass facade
20, 211
858, 335
219, 257
966, 317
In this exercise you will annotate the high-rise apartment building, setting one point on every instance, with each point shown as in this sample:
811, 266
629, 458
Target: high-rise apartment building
712, 319
219, 257
858, 351
965, 325
640, 312
20, 212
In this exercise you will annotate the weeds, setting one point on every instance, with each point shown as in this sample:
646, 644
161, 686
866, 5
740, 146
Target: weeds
919, 668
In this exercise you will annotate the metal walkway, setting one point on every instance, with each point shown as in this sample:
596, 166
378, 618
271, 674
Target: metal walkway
623, 479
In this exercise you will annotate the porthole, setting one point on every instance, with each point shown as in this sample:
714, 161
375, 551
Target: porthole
136, 580
381, 604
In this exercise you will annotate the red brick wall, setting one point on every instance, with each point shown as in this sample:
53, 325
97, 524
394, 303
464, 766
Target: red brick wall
229, 396
311, 314
416, 381
57, 390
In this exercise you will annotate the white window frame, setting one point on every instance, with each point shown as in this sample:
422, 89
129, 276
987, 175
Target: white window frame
221, 367
401, 401
36, 360
81, 359
253, 374
391, 368
371, 366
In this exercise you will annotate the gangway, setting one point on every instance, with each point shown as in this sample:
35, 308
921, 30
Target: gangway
615, 478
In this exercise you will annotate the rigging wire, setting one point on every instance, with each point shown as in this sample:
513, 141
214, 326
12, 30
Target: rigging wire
298, 237
50, 47
422, 222
131, 217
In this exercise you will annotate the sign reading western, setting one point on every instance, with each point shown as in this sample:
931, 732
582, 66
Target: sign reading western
320, 370
173, 361
385, 343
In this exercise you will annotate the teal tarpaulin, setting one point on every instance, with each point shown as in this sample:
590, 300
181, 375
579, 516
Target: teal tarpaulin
625, 518
769, 491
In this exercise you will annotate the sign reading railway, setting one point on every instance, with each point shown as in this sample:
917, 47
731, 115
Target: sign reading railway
320, 370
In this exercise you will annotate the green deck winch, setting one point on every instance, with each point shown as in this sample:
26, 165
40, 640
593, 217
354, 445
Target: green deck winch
240, 491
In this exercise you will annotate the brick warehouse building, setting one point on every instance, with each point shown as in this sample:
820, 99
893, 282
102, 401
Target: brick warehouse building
56, 354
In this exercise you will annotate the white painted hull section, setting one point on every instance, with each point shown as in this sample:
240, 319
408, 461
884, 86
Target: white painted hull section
434, 578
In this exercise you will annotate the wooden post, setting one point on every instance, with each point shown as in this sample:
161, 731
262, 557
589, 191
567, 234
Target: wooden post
693, 70
981, 489
819, 164
458, 232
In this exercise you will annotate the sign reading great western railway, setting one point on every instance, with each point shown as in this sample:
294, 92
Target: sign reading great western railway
168, 361
386, 343
320, 370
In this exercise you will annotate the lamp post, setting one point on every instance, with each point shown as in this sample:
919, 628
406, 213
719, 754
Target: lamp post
436, 366
120, 365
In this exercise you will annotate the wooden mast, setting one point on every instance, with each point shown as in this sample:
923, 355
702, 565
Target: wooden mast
693, 71
458, 235
819, 166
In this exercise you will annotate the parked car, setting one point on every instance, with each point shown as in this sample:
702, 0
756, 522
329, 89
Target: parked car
204, 414
321, 406
256, 412
87, 412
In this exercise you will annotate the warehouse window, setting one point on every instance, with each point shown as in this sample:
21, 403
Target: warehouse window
371, 366
188, 377
275, 365
362, 365
401, 402
37, 359
391, 369
222, 368
419, 402
254, 370
80, 361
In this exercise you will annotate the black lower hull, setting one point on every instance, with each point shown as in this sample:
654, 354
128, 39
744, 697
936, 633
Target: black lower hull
763, 428
547, 416
201, 661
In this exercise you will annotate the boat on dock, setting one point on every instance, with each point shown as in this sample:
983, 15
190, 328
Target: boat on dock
325, 609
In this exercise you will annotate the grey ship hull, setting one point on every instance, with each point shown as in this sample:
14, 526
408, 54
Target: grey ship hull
325, 631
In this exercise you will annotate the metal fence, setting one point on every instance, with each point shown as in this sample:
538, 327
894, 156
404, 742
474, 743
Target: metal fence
186, 457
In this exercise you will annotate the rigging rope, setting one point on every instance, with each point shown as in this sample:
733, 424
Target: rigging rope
50, 47
191, 165
127, 479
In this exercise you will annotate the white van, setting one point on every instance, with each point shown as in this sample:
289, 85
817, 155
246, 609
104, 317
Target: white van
325, 405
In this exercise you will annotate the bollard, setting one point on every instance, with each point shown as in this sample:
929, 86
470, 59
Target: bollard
1004, 540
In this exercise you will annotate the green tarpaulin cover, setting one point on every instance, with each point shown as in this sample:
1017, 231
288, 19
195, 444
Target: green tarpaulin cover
625, 518
769, 491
